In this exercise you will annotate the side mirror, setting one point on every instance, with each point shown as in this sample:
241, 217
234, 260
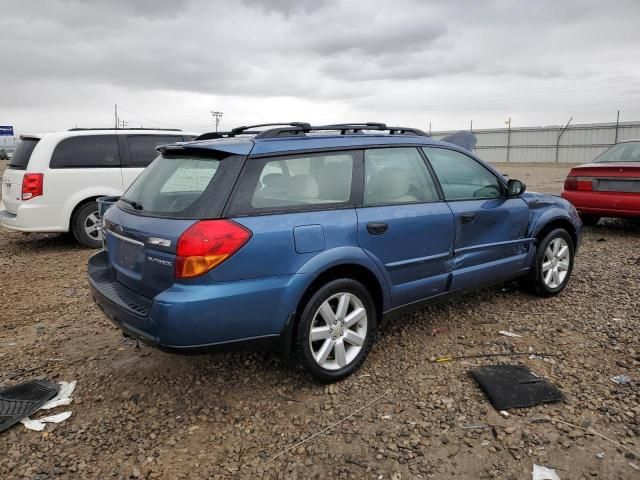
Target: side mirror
515, 188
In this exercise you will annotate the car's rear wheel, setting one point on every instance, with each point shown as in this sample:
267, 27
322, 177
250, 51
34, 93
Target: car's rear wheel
85, 225
590, 220
553, 264
336, 330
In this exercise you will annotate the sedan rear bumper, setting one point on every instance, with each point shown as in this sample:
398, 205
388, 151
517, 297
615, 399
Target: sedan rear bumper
604, 204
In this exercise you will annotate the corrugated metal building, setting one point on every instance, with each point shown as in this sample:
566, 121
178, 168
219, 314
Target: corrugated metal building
577, 144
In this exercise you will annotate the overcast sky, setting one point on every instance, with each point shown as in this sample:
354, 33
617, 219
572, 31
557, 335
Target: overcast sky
409, 62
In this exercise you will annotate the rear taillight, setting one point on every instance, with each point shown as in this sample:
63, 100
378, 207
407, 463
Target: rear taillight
584, 183
206, 244
32, 184
570, 183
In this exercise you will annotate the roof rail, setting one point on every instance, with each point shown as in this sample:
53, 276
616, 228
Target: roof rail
300, 129
79, 129
344, 128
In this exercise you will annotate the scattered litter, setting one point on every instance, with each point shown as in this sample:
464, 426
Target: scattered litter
509, 334
588, 430
634, 466
39, 424
386, 417
504, 413
489, 355
621, 379
311, 437
600, 455
475, 426
438, 330
514, 386
544, 473
63, 397
24, 399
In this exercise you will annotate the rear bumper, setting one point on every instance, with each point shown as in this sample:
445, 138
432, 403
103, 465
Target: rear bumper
31, 218
605, 204
243, 315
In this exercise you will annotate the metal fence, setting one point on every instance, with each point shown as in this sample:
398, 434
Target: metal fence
579, 143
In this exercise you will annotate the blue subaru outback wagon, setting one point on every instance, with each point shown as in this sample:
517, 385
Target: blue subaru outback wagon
304, 238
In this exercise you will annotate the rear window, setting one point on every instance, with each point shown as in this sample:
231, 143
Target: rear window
97, 151
143, 147
21, 156
173, 186
622, 152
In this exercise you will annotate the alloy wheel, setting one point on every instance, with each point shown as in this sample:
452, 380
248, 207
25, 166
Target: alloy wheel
556, 263
338, 331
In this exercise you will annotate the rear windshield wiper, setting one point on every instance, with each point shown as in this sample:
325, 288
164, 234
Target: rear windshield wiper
134, 204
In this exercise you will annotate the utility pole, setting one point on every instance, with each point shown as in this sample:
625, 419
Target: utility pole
508, 122
471, 127
617, 125
115, 114
559, 137
217, 116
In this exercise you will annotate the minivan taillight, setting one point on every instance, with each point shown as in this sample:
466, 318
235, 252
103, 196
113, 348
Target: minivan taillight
32, 185
206, 244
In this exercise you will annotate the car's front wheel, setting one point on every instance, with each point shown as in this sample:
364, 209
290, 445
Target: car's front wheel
553, 264
336, 330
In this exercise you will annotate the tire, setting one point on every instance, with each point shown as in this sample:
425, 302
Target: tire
340, 348
590, 220
550, 248
83, 222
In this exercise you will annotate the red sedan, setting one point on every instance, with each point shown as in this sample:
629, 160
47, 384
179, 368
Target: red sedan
607, 187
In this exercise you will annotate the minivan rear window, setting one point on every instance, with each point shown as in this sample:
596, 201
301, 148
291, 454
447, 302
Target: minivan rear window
172, 186
21, 156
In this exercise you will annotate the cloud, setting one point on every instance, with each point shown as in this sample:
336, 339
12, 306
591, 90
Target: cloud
409, 59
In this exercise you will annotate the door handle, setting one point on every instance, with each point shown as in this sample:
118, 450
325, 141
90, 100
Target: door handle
467, 217
377, 228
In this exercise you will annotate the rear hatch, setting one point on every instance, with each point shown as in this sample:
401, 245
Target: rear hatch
12, 177
177, 190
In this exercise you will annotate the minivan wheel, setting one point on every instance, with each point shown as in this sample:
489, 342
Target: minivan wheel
85, 225
553, 264
336, 330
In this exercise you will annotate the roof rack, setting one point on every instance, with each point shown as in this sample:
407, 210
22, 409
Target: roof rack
344, 128
79, 129
300, 129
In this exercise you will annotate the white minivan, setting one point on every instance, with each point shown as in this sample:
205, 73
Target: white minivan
53, 180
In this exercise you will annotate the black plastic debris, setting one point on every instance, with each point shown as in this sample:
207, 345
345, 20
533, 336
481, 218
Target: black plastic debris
22, 400
514, 386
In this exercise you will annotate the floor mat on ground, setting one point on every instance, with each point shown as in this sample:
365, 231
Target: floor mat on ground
514, 386
22, 400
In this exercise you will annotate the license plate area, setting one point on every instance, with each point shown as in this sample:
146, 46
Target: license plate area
624, 186
127, 254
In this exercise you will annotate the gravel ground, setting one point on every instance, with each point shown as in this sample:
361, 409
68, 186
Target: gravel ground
140, 413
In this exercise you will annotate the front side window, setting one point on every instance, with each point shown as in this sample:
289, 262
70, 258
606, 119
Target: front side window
143, 147
622, 152
397, 175
462, 177
301, 181
86, 151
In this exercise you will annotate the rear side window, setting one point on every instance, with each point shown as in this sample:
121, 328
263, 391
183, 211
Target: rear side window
462, 177
172, 186
312, 181
143, 147
21, 156
97, 151
397, 175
